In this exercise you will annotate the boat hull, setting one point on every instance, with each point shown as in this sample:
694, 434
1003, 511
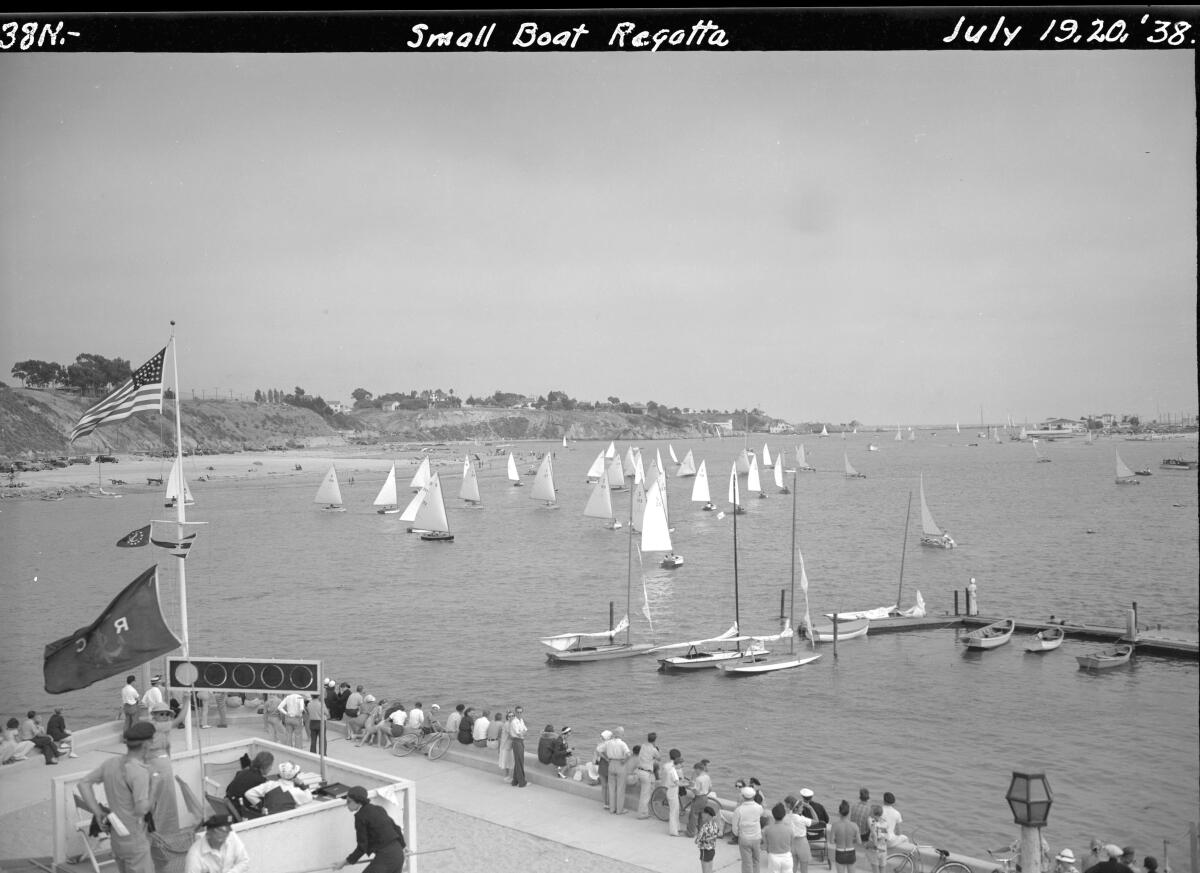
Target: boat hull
766, 665
1105, 660
1046, 641
938, 542
701, 661
991, 637
598, 653
437, 537
846, 630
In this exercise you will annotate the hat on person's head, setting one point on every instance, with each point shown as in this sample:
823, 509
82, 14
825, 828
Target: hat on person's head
370, 698
139, 732
435, 708
606, 735
748, 792
1066, 856
358, 794
288, 770
1113, 851
565, 731
160, 707
329, 682
806, 792
154, 680
218, 821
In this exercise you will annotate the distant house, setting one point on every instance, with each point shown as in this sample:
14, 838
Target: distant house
781, 427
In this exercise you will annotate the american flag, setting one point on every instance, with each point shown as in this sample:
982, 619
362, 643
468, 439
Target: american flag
142, 393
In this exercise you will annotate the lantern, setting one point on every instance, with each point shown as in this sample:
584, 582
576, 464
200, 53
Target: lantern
1029, 798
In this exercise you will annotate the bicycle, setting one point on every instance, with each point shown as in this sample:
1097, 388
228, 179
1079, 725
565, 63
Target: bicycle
912, 861
661, 808
435, 744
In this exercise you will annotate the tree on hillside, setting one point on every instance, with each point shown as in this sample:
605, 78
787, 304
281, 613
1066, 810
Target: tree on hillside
39, 374
96, 374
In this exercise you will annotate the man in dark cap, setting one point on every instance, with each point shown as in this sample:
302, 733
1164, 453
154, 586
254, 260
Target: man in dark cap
126, 782
377, 834
218, 849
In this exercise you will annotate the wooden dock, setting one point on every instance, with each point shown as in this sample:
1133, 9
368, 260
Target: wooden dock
1146, 644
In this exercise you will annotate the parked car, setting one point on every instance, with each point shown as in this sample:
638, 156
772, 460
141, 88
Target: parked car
79, 459
107, 459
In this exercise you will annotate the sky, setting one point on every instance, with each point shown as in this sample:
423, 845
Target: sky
895, 237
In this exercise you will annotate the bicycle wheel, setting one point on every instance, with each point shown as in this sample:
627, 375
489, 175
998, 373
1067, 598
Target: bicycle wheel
405, 745
658, 803
952, 867
439, 747
899, 862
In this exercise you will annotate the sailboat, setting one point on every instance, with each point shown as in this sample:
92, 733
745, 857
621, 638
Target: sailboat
898, 437
599, 504
543, 485
631, 461
615, 474
386, 499
735, 494
576, 647
915, 611
656, 532
671, 452
931, 534
742, 464
469, 489
565, 444
431, 514
1125, 476
837, 628
753, 483
177, 485
513, 475
1042, 459
802, 463
701, 654
421, 478
851, 473
687, 467
767, 462
912, 435
700, 488
597, 469
756, 660
329, 493
783, 489
824, 431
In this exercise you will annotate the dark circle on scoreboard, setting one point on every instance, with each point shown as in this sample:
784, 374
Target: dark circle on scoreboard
215, 675
243, 675
302, 678
272, 676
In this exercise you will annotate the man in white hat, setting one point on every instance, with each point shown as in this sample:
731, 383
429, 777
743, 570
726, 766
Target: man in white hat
153, 696
1064, 862
279, 794
747, 827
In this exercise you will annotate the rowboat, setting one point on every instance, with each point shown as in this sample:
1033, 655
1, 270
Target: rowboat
1047, 640
846, 630
1106, 658
995, 634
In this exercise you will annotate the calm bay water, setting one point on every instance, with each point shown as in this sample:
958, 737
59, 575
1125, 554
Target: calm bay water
272, 576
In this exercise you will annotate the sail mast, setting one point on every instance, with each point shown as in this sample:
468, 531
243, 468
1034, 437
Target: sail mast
792, 599
629, 574
181, 519
903, 549
737, 614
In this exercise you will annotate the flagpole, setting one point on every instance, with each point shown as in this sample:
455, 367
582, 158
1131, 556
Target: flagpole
181, 518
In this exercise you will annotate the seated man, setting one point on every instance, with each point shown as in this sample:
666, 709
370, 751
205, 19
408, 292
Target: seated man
244, 780
56, 728
279, 794
31, 731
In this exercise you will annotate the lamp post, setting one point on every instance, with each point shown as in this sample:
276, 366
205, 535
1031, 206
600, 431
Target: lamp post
1029, 797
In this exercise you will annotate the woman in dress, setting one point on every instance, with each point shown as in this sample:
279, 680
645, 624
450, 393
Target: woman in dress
505, 757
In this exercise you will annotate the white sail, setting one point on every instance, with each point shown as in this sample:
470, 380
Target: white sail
177, 485
421, 478
1124, 473
735, 493
928, 525
801, 460
469, 490
639, 472
700, 486
543, 483
563, 642
850, 471
513, 475
688, 467
611, 451
616, 473
329, 493
742, 465
387, 494
410, 511
597, 469
671, 452
766, 457
630, 465
565, 446
824, 431
898, 437
912, 434
729, 636
599, 504
779, 474
752, 480
655, 535
639, 504
431, 513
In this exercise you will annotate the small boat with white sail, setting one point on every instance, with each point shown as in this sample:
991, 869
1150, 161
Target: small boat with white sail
329, 494
702, 654
700, 492
431, 514
851, 473
687, 468
778, 472
597, 469
990, 636
387, 499
469, 489
599, 504
753, 481
802, 464
932, 535
1037, 450
543, 485
1125, 476
421, 478
513, 476
656, 531
177, 486
1046, 640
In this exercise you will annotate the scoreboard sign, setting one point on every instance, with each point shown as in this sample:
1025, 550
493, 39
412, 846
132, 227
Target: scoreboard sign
244, 675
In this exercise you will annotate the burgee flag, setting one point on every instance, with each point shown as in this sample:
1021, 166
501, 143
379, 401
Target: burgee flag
135, 538
142, 393
130, 632
178, 548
